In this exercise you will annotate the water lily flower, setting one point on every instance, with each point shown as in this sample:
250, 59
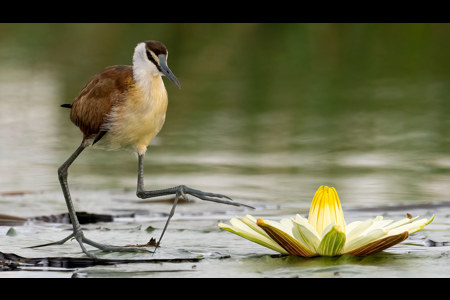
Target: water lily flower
325, 232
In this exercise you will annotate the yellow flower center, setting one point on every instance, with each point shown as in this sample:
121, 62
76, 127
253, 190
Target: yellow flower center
326, 209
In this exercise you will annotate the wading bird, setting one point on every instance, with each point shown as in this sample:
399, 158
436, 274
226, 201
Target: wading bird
124, 107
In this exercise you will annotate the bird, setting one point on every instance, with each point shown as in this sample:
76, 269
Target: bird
124, 107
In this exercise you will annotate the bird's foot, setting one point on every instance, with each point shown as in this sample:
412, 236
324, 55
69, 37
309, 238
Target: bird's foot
81, 239
183, 191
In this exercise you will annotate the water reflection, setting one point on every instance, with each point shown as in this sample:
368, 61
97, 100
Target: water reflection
28, 128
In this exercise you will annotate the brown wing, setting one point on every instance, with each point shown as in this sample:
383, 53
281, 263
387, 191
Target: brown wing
95, 101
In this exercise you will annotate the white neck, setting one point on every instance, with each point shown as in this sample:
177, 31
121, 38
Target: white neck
143, 69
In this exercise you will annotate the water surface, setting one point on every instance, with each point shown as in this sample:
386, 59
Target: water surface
266, 114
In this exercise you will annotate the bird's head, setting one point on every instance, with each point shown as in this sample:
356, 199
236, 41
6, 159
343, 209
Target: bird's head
152, 56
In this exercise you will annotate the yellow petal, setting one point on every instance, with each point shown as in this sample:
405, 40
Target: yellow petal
326, 209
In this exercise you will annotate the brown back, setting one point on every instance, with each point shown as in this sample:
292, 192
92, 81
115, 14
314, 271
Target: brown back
95, 101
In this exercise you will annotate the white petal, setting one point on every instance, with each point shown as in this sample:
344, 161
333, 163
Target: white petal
401, 223
300, 219
243, 230
283, 225
362, 240
378, 223
357, 229
352, 226
411, 227
238, 224
304, 222
250, 221
288, 225
327, 228
307, 235
280, 233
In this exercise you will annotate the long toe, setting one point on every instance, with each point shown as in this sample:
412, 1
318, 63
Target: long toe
195, 192
213, 197
60, 242
111, 248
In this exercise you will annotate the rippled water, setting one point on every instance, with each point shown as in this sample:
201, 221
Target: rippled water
361, 107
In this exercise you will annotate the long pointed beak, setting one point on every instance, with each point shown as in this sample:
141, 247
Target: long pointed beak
166, 71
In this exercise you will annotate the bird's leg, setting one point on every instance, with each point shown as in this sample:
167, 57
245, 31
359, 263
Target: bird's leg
178, 191
77, 232
62, 175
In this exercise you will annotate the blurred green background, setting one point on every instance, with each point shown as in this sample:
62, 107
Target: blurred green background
265, 110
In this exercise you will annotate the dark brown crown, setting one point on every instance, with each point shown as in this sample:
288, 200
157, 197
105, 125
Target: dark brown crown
156, 46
